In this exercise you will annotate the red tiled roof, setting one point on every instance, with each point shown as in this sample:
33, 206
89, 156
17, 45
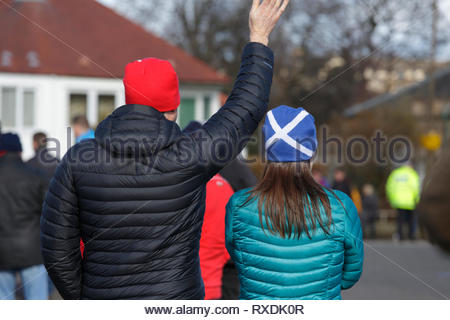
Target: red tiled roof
83, 38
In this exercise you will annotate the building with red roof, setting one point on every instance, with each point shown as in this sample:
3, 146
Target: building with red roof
61, 58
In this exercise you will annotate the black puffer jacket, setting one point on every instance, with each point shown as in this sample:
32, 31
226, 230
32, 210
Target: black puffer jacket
136, 196
239, 175
22, 191
44, 162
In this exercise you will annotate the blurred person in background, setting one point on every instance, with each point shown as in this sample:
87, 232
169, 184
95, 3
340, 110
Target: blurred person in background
22, 191
283, 233
136, 193
45, 163
213, 254
234, 177
434, 205
341, 182
355, 195
82, 129
370, 211
318, 175
42, 159
402, 191
239, 176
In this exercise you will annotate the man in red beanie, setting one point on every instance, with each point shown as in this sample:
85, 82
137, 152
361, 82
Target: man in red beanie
152, 82
136, 193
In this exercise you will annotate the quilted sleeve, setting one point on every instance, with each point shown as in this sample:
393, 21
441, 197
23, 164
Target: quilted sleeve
353, 245
60, 234
228, 131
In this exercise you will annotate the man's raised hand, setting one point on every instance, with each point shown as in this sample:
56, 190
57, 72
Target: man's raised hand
263, 18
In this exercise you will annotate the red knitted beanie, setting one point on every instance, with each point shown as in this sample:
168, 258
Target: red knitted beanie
152, 82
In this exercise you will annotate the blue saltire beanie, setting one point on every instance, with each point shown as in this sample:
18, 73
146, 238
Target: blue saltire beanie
289, 134
10, 142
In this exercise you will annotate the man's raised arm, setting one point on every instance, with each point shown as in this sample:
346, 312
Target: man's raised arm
226, 133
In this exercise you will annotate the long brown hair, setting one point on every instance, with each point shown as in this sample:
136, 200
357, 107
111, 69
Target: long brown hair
291, 199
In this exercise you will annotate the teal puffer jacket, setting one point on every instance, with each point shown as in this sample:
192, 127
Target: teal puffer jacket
271, 267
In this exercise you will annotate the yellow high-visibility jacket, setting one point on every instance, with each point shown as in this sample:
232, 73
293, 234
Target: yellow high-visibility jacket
403, 188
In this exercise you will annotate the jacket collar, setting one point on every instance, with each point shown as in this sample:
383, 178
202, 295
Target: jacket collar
136, 130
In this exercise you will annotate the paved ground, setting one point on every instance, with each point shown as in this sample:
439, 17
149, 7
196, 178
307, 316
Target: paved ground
407, 270
410, 270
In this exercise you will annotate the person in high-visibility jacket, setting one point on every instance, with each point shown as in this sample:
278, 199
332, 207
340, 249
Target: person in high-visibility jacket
402, 190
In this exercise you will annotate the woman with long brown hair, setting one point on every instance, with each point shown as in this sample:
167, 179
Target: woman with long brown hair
289, 237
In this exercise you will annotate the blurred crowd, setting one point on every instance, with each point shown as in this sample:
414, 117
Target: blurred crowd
402, 191
23, 186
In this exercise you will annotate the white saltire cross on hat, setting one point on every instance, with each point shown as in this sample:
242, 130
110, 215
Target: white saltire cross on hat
283, 133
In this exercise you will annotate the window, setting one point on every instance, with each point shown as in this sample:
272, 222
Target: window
106, 105
187, 111
207, 107
15, 112
78, 105
8, 107
6, 58
28, 108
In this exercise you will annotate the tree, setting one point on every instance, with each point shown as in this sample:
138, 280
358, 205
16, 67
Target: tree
322, 47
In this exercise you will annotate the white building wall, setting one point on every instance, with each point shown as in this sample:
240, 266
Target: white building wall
52, 103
